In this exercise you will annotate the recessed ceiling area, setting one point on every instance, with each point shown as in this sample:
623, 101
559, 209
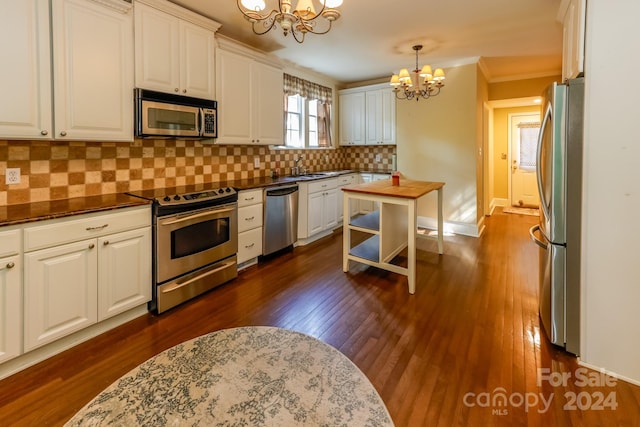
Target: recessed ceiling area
373, 38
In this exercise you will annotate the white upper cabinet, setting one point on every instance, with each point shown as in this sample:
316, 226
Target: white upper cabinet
89, 87
250, 100
352, 115
381, 116
572, 14
173, 55
368, 116
25, 104
93, 71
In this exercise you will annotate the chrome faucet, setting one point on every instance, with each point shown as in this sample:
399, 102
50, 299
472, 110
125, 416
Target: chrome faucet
295, 171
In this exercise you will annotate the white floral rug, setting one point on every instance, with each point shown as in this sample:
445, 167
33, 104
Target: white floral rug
250, 376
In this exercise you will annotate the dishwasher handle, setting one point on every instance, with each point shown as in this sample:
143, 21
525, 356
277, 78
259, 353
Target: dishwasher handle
281, 191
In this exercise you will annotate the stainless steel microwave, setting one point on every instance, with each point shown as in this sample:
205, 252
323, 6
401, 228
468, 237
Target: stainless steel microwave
166, 115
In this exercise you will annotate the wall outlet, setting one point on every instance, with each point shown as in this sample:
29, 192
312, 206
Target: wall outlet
377, 157
256, 162
12, 176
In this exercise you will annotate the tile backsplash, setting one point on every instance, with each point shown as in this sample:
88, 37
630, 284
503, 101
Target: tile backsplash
53, 170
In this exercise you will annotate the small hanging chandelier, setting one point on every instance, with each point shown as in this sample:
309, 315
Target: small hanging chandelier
428, 83
299, 21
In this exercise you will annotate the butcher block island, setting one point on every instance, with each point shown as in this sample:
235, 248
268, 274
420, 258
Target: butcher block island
391, 228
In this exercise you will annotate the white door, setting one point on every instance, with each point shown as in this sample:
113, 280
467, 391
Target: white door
523, 138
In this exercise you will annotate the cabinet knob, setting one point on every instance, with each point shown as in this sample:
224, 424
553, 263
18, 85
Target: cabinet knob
184, 91
105, 243
11, 265
91, 246
44, 132
63, 133
176, 90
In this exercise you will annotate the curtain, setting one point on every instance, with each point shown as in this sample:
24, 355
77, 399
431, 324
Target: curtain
296, 86
528, 144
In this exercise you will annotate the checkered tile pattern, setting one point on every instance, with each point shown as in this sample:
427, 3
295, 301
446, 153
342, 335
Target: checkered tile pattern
62, 170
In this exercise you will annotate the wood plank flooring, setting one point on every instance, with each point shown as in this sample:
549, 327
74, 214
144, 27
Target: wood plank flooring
441, 357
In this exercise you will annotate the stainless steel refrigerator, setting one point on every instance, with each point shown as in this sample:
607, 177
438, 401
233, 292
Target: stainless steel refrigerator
559, 174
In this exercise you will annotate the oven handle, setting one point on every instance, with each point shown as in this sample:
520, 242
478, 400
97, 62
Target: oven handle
183, 284
198, 215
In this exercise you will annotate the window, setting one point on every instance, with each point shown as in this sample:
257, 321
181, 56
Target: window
307, 114
528, 145
301, 122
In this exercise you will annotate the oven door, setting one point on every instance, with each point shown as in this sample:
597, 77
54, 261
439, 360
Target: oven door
188, 241
163, 119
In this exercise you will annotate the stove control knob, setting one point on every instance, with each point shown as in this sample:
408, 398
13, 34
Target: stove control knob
176, 197
228, 190
220, 191
167, 199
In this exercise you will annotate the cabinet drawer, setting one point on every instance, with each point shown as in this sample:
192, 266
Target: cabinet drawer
249, 244
72, 229
10, 242
346, 180
249, 197
249, 217
322, 184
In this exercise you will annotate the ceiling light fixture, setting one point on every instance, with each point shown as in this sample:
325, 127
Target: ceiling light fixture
428, 82
299, 21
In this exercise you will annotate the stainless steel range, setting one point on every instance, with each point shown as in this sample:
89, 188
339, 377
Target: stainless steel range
195, 241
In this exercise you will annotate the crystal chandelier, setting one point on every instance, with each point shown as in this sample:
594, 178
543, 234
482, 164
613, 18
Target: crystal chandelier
299, 21
428, 83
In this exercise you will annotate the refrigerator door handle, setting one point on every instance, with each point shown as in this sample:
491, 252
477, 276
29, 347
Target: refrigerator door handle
537, 241
545, 121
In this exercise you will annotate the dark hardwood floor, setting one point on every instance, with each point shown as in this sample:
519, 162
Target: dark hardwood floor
442, 357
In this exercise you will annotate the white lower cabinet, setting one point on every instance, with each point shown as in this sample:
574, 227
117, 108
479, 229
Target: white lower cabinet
317, 208
250, 218
60, 292
69, 286
10, 296
124, 266
344, 180
366, 206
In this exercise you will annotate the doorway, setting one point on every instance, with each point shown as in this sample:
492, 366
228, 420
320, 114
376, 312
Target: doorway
523, 139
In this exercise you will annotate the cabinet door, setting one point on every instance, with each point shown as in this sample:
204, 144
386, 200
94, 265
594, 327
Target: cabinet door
388, 117
93, 71
124, 271
197, 61
352, 119
25, 75
233, 91
330, 209
315, 222
60, 291
157, 46
373, 117
268, 105
573, 25
10, 308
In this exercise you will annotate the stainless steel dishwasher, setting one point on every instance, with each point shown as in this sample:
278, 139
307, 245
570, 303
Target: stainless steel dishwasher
280, 228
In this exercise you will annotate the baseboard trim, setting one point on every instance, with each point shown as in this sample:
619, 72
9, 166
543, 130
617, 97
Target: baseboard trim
607, 372
453, 227
39, 354
496, 202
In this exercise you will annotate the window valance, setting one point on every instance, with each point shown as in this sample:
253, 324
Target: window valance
297, 86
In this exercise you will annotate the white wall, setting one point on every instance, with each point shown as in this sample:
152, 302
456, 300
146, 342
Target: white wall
611, 205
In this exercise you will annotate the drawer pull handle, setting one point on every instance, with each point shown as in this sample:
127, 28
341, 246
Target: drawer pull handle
249, 246
91, 246
250, 219
11, 265
97, 228
105, 243
248, 199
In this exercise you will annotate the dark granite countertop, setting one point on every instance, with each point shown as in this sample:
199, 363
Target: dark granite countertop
39, 211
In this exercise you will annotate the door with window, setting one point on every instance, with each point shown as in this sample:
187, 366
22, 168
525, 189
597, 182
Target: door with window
523, 139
